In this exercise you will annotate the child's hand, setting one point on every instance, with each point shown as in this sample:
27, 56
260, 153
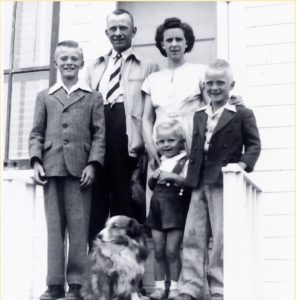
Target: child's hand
156, 174
39, 174
242, 165
164, 176
88, 176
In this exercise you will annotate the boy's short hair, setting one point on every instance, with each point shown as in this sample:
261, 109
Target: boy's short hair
69, 44
221, 64
172, 124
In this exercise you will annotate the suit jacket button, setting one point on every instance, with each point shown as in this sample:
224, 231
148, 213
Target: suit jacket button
225, 145
66, 142
191, 161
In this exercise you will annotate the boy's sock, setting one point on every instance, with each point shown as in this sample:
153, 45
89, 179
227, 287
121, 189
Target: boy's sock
159, 284
174, 285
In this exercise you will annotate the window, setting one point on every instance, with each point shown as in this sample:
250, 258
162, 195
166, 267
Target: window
30, 31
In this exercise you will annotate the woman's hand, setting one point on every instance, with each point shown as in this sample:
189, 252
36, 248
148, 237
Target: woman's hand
154, 159
236, 100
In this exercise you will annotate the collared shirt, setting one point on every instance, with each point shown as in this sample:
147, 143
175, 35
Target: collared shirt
108, 71
213, 118
78, 85
168, 164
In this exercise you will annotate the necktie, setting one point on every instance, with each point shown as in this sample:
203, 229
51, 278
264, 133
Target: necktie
114, 81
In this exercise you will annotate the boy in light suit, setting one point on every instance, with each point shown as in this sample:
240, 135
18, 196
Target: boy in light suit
66, 145
220, 132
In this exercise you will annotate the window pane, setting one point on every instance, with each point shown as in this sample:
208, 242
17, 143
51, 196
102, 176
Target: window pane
4, 111
6, 26
32, 34
24, 91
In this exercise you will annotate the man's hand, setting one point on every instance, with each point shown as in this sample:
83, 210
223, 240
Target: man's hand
87, 176
39, 174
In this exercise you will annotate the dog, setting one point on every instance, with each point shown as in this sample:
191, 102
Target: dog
116, 263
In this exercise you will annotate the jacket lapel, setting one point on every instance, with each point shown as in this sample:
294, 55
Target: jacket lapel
98, 72
201, 122
225, 118
74, 97
61, 96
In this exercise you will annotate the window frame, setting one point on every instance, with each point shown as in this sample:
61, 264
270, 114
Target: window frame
55, 24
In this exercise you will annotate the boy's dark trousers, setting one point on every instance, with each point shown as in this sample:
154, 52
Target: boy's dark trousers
67, 206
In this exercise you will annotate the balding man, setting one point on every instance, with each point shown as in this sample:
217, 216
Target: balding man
119, 76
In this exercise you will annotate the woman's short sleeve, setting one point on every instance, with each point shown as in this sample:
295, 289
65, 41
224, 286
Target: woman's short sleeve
146, 86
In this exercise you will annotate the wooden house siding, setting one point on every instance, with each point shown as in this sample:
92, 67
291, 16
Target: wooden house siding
262, 52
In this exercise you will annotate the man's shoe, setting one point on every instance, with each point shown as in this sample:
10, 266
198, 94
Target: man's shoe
53, 292
74, 292
184, 297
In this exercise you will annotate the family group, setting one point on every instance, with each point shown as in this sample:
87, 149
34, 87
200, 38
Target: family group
89, 134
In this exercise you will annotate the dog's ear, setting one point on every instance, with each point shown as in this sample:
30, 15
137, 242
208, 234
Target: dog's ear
134, 229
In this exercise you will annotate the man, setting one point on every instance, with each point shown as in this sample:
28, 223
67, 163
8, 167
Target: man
119, 76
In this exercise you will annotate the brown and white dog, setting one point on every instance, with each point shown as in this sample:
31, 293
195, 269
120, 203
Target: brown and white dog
116, 263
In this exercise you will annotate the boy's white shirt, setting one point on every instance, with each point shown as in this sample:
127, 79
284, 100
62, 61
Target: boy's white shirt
213, 119
168, 164
80, 84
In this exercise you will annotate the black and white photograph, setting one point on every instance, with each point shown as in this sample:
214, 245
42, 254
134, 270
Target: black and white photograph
148, 150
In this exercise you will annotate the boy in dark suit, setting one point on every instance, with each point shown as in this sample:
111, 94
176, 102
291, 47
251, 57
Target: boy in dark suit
66, 145
219, 135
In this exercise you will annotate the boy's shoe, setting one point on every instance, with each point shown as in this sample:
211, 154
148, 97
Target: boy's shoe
158, 294
173, 293
53, 292
216, 296
74, 292
184, 297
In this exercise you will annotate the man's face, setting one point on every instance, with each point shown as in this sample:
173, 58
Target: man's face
120, 31
68, 61
218, 85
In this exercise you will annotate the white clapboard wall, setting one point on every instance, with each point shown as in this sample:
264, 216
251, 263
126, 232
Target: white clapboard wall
85, 22
261, 50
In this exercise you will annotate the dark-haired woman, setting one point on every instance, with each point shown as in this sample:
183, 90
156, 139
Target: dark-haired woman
175, 91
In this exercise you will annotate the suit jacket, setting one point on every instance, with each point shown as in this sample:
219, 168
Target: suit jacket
67, 132
133, 72
234, 131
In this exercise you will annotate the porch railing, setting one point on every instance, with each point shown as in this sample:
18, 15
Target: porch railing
242, 257
24, 237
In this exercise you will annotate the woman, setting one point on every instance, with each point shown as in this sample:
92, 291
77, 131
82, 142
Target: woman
175, 91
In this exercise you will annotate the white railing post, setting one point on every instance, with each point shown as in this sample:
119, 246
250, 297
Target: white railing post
242, 269
23, 237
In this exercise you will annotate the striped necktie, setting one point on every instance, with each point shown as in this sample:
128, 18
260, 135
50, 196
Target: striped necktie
114, 81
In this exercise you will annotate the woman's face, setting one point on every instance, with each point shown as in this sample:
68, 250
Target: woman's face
174, 43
